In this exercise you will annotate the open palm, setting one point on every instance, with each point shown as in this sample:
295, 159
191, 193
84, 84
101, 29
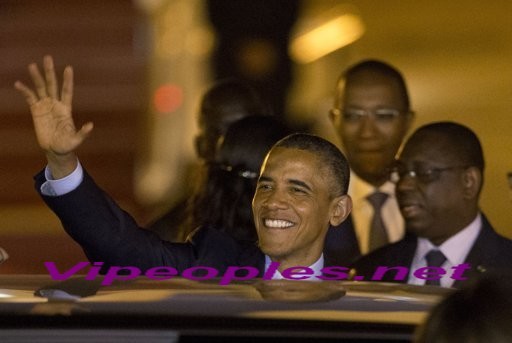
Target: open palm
55, 130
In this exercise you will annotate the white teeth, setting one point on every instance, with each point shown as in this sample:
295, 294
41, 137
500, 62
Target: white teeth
277, 223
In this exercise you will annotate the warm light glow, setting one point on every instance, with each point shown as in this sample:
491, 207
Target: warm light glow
326, 38
168, 98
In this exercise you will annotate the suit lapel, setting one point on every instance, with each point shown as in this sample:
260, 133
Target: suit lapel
481, 255
403, 254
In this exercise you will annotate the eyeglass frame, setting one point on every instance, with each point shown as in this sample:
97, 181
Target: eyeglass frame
361, 113
432, 174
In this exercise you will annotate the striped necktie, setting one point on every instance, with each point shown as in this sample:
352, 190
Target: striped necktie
378, 233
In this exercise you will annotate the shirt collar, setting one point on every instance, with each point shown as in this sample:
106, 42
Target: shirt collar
316, 267
457, 247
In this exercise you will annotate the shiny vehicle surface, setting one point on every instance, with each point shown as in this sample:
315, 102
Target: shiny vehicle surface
35, 308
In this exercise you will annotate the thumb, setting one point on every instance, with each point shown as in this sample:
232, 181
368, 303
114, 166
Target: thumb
85, 130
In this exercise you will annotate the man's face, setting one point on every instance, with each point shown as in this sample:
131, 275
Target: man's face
371, 142
293, 206
433, 203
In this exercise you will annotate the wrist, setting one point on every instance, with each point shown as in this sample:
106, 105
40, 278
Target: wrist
61, 165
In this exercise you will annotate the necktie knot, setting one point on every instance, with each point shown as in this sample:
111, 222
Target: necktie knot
377, 199
435, 258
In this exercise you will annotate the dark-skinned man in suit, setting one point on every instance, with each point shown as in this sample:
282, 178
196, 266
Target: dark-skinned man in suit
439, 177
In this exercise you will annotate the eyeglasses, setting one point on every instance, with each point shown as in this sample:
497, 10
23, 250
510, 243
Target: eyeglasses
356, 115
423, 175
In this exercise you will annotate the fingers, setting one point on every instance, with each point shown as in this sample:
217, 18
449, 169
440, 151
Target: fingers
67, 86
29, 95
38, 80
51, 79
47, 86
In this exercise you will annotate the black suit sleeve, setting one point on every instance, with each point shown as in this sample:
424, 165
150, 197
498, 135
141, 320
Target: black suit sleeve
390, 263
108, 234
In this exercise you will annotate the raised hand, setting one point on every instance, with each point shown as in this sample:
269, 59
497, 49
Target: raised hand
53, 123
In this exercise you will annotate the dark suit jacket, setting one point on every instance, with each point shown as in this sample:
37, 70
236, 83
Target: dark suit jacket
108, 234
341, 244
490, 252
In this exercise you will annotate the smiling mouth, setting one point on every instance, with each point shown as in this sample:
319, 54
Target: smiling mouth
410, 210
277, 223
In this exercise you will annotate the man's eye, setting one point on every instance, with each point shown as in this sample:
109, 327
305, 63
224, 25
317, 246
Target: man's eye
298, 190
426, 175
352, 115
386, 115
264, 187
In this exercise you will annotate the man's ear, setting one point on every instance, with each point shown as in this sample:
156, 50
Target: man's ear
332, 117
472, 181
341, 207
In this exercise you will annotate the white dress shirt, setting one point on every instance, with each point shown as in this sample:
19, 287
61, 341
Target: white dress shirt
362, 211
62, 186
316, 267
455, 249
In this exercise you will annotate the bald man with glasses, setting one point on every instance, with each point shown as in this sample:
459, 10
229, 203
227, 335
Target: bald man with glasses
439, 177
371, 114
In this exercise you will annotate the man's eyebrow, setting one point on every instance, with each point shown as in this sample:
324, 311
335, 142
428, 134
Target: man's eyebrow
300, 183
264, 178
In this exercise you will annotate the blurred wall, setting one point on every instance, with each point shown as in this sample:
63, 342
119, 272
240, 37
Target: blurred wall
99, 38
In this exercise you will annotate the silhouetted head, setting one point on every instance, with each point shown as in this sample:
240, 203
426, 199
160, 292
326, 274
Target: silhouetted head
224, 103
230, 181
479, 313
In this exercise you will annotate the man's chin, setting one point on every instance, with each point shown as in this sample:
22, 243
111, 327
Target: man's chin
371, 166
417, 228
274, 252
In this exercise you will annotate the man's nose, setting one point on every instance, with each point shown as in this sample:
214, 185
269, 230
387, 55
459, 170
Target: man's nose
276, 200
407, 182
367, 128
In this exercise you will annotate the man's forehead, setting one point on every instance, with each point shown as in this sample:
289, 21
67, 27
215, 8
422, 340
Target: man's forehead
291, 158
292, 166
380, 89
429, 146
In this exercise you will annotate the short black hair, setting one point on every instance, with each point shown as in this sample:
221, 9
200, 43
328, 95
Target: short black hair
330, 155
464, 142
378, 67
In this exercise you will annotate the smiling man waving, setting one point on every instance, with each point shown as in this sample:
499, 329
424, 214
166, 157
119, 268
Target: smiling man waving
301, 191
